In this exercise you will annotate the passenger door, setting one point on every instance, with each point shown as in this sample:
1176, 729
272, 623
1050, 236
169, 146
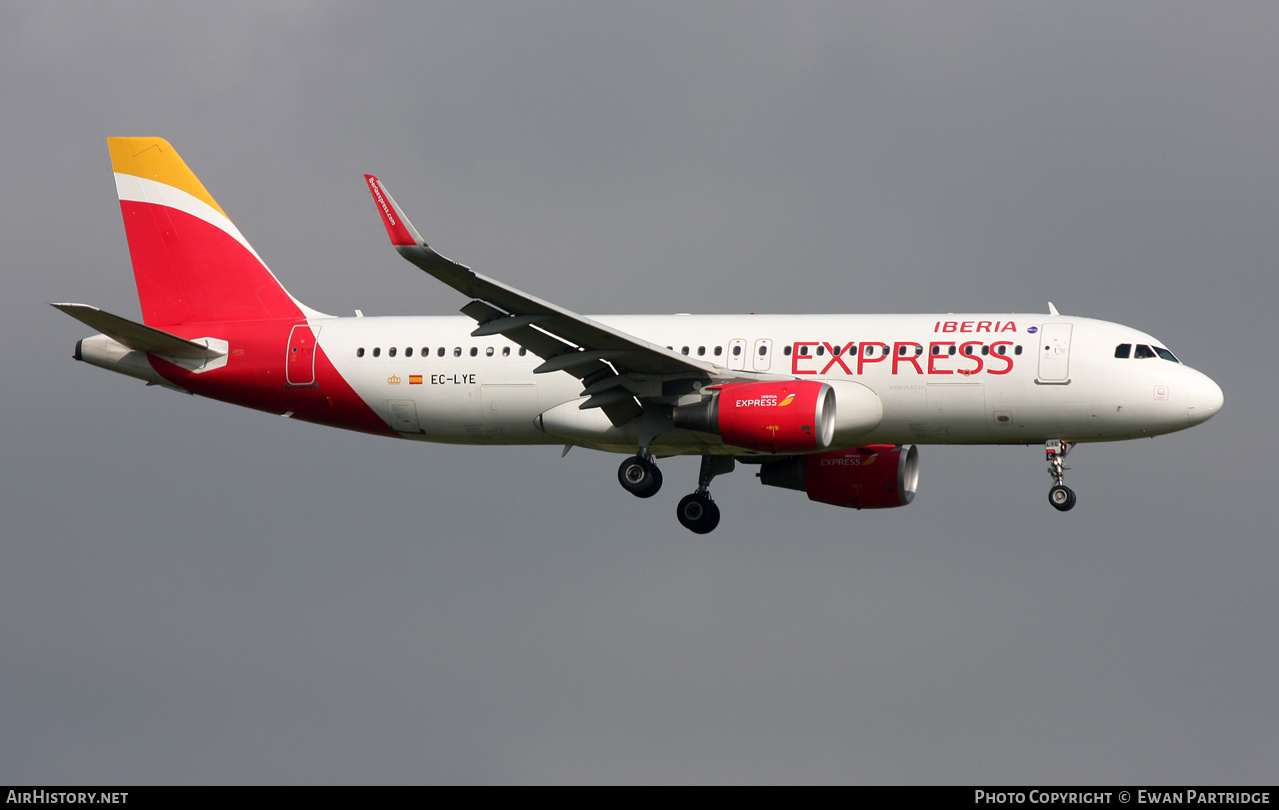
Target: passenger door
1054, 353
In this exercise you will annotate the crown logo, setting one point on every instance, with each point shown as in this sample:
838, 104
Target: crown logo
393, 380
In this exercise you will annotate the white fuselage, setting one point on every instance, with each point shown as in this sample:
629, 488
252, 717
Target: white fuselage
941, 379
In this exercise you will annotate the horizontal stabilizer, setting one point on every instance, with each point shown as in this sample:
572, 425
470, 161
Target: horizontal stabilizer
137, 336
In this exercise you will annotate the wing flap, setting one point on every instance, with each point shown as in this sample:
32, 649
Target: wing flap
508, 323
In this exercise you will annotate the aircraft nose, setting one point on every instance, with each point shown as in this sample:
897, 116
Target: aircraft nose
1206, 399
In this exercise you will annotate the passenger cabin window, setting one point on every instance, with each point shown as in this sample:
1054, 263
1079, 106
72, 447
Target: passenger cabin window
719, 350
701, 350
821, 351
1123, 350
523, 351
377, 352
474, 351
763, 350
684, 350
408, 352
737, 350
457, 351
390, 352
786, 350
359, 352
1143, 352
439, 352
506, 351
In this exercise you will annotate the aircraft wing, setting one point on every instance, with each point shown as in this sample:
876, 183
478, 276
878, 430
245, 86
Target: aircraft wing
608, 361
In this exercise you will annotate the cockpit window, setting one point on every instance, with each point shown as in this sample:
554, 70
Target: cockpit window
1144, 352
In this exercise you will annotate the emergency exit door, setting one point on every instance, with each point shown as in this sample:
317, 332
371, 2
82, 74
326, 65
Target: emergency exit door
299, 362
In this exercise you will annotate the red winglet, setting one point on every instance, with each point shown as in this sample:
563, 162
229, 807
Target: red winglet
397, 227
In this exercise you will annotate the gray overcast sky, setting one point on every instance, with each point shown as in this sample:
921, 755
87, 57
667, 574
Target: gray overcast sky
193, 592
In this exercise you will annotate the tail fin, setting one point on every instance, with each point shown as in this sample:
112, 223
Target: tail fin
191, 264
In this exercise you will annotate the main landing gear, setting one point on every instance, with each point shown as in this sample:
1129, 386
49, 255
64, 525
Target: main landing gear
1060, 496
640, 476
696, 511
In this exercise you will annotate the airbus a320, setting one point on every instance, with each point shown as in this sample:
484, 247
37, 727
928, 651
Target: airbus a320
830, 405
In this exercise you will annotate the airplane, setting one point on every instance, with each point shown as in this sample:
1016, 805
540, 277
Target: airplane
834, 406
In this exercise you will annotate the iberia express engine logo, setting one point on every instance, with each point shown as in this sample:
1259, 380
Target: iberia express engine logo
852, 458
766, 401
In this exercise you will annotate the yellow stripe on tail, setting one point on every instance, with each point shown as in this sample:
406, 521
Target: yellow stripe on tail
154, 159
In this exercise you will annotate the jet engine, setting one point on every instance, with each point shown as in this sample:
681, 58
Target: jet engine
879, 476
790, 416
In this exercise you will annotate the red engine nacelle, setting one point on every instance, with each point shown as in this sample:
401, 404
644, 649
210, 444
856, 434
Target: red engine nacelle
880, 476
790, 416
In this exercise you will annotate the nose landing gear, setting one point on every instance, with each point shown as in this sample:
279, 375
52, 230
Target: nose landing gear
1060, 496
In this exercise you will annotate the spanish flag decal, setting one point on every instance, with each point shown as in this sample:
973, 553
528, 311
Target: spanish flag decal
415, 379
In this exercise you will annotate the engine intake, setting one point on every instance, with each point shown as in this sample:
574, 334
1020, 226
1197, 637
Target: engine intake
791, 416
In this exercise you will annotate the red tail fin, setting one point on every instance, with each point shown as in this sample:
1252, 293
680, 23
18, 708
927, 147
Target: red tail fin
190, 262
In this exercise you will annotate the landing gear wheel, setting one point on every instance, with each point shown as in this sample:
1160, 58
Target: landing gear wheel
640, 477
698, 513
1062, 498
